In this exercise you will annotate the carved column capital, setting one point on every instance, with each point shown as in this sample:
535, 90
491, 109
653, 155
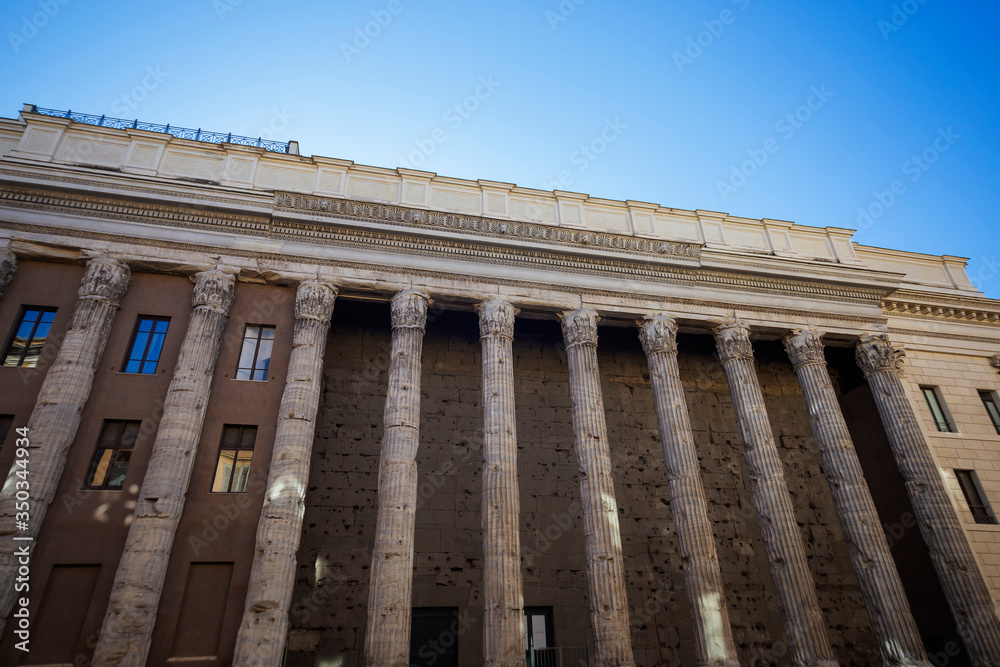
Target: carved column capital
409, 310
732, 339
579, 327
496, 318
105, 279
658, 333
314, 300
214, 290
8, 265
995, 361
804, 347
874, 354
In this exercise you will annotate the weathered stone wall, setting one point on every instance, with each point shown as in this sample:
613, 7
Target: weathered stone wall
328, 612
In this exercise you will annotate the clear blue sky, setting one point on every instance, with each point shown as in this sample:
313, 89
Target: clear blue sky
672, 98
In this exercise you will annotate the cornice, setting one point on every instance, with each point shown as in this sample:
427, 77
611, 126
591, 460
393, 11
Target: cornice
958, 310
391, 229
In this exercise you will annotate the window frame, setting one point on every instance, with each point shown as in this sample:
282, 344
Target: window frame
228, 484
97, 457
935, 404
253, 369
989, 399
975, 498
143, 360
17, 327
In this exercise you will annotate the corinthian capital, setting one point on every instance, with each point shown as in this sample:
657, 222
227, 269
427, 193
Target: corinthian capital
579, 327
105, 279
214, 290
658, 333
314, 301
8, 265
409, 310
732, 340
804, 347
496, 318
874, 354
995, 361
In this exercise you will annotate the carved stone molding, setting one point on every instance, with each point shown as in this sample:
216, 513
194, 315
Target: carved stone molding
804, 347
496, 318
469, 224
8, 265
995, 361
658, 333
732, 339
215, 290
579, 327
106, 279
874, 354
409, 310
314, 300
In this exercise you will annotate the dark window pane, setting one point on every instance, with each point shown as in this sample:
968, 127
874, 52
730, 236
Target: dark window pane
113, 454
29, 336
147, 342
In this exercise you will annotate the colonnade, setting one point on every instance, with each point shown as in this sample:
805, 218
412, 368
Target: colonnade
130, 618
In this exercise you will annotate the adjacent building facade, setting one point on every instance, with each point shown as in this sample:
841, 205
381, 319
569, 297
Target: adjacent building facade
259, 408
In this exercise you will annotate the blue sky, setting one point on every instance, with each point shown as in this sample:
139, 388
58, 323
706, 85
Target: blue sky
816, 112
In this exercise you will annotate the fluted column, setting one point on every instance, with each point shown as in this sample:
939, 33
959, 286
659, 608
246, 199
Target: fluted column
8, 265
892, 621
601, 534
387, 640
702, 579
963, 583
56, 416
805, 627
261, 640
128, 623
503, 601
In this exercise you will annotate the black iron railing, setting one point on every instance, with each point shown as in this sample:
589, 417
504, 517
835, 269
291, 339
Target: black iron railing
179, 132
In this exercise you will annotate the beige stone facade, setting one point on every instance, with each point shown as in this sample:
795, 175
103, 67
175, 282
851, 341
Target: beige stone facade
538, 427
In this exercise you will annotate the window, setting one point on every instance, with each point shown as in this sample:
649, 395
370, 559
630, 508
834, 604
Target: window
255, 357
147, 342
32, 330
114, 451
235, 454
974, 496
990, 403
937, 409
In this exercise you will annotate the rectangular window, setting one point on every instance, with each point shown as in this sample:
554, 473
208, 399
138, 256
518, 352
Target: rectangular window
255, 357
990, 403
32, 330
235, 454
936, 406
974, 496
111, 459
147, 343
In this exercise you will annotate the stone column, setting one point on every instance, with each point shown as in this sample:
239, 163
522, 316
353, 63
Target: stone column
602, 536
387, 640
805, 627
56, 416
892, 622
261, 640
706, 597
8, 265
503, 598
135, 596
955, 564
